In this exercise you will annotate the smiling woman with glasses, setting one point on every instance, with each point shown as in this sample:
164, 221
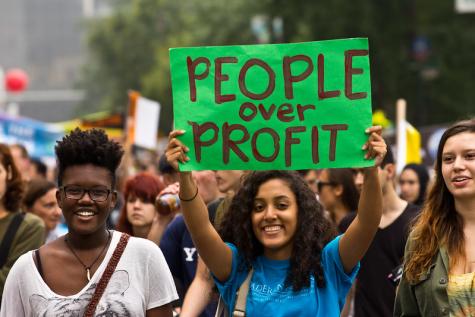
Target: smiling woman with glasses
90, 271
96, 194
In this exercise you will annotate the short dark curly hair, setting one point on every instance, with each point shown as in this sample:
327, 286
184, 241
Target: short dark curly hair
313, 232
15, 187
88, 147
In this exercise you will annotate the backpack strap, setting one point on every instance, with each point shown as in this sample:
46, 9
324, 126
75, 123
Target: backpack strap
241, 297
240, 307
106, 276
9, 236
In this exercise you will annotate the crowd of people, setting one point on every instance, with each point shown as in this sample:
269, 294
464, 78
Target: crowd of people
350, 242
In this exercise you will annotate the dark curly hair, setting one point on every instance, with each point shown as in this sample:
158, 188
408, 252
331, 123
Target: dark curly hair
88, 147
313, 232
15, 187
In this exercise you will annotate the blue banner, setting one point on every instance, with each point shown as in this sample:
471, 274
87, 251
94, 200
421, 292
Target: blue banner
39, 138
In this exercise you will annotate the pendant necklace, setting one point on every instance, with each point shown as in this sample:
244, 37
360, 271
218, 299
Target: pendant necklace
88, 268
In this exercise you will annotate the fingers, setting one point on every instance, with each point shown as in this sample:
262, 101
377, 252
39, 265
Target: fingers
176, 150
175, 133
173, 189
376, 129
375, 146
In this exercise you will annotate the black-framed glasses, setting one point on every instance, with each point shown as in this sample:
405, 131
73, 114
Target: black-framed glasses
321, 184
96, 194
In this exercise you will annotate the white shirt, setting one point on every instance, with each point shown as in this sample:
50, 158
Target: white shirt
141, 281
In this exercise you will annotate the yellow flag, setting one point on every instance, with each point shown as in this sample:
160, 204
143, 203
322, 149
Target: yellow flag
413, 145
379, 118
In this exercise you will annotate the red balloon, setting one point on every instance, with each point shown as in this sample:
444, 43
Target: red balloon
16, 80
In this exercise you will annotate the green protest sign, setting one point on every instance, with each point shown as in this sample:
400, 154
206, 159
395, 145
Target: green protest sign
276, 106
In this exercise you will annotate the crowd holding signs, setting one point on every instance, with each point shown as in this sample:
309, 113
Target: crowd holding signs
281, 106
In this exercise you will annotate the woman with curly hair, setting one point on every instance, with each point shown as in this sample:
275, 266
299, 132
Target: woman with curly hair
30, 231
90, 271
439, 271
277, 228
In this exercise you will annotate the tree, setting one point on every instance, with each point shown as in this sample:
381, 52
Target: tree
129, 50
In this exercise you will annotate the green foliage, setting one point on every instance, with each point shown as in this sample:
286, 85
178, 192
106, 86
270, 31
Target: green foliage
129, 49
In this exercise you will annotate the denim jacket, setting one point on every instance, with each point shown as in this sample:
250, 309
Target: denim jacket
428, 296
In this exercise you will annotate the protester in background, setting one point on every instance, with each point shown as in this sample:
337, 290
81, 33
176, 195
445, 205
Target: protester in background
311, 177
377, 279
19, 232
208, 186
413, 183
139, 216
40, 199
62, 278
229, 182
168, 174
439, 268
38, 169
358, 174
279, 230
22, 160
337, 192
181, 255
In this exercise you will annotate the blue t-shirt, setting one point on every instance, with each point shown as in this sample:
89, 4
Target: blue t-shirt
268, 297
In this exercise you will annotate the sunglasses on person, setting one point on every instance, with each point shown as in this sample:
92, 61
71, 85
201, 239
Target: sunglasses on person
321, 184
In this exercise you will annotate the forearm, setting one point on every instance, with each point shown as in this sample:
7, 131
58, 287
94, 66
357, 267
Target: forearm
357, 239
370, 205
195, 212
214, 252
197, 297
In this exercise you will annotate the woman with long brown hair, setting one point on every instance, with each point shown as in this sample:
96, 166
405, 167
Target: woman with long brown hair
19, 232
439, 271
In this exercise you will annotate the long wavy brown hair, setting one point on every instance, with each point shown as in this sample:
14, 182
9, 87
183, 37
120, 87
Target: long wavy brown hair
15, 187
439, 224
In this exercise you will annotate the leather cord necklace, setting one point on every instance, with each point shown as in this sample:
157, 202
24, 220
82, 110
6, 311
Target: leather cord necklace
86, 267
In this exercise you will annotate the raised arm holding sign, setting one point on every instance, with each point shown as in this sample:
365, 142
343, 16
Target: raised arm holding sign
278, 227
285, 106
